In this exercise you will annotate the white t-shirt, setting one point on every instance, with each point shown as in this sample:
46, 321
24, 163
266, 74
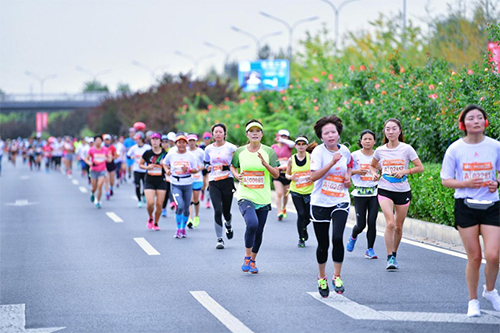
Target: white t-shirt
219, 157
177, 161
464, 161
121, 150
83, 151
361, 161
136, 153
392, 160
329, 190
198, 154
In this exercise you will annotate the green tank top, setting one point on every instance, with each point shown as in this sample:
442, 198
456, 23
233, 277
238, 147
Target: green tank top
304, 184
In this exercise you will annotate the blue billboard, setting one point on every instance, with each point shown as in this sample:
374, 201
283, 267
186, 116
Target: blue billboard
264, 75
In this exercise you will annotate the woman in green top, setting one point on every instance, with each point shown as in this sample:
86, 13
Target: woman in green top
299, 172
253, 166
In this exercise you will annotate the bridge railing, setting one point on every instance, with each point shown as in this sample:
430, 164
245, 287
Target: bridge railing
81, 97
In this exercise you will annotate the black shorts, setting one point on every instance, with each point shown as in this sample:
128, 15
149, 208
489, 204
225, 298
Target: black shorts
225, 186
156, 186
282, 179
467, 217
204, 172
324, 214
110, 166
398, 198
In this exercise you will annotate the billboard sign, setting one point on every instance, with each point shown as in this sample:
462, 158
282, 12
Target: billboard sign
264, 75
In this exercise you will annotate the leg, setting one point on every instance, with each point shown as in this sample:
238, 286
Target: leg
470, 238
322, 230
249, 214
285, 195
300, 207
401, 212
387, 208
160, 197
217, 199
137, 182
100, 181
279, 196
150, 202
262, 218
339, 219
491, 238
371, 234
196, 202
361, 206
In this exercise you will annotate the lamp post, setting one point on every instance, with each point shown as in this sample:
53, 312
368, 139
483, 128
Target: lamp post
257, 40
195, 61
337, 13
289, 27
152, 71
40, 79
223, 50
92, 74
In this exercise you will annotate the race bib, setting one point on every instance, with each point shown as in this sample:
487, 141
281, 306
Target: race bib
303, 179
99, 158
367, 177
218, 173
333, 186
178, 167
283, 162
253, 179
391, 166
156, 171
478, 170
138, 158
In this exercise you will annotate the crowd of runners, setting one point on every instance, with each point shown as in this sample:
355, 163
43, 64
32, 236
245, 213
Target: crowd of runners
319, 178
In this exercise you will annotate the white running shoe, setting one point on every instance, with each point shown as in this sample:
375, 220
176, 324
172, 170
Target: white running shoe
492, 297
220, 244
474, 310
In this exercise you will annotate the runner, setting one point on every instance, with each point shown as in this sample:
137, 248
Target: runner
82, 152
47, 154
331, 173
298, 171
129, 142
217, 159
57, 153
96, 159
207, 138
110, 166
165, 144
68, 152
283, 149
198, 153
365, 194
120, 161
14, 150
38, 153
394, 193
180, 165
154, 184
136, 152
253, 165
2, 147
471, 166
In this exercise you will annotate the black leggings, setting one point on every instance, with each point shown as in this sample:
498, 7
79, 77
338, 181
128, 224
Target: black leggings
255, 221
322, 230
221, 193
301, 203
138, 177
168, 195
363, 206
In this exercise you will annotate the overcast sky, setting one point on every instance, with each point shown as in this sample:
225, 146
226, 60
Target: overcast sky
50, 37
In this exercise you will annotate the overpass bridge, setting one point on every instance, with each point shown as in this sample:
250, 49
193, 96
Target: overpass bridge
51, 102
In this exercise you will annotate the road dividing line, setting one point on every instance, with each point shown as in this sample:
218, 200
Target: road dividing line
114, 217
225, 317
144, 244
83, 189
74, 181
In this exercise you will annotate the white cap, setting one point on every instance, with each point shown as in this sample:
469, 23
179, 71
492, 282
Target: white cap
106, 137
284, 132
171, 136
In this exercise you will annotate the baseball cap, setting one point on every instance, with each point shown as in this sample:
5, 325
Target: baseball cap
156, 136
164, 137
106, 137
180, 136
207, 135
149, 133
131, 129
171, 136
284, 132
139, 135
192, 137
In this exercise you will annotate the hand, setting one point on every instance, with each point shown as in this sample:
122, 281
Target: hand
475, 183
399, 174
150, 167
492, 186
336, 158
347, 182
375, 176
168, 172
261, 159
238, 176
185, 170
209, 168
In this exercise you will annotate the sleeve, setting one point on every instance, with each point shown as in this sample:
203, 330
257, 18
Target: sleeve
166, 160
145, 156
376, 155
411, 153
498, 156
287, 142
235, 161
206, 156
315, 160
350, 161
449, 165
273, 159
130, 152
355, 164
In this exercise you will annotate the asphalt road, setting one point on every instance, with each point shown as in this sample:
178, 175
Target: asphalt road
66, 265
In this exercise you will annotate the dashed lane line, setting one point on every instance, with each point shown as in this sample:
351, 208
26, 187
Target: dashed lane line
114, 217
148, 248
83, 189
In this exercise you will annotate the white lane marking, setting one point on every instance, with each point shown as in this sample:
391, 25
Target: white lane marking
83, 189
25, 177
21, 202
74, 181
225, 317
148, 248
13, 319
134, 197
70, 176
114, 217
362, 312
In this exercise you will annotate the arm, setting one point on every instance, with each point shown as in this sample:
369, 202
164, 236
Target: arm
418, 168
235, 173
287, 142
274, 171
142, 164
288, 174
374, 167
317, 174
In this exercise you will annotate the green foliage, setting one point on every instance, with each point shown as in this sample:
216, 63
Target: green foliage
94, 86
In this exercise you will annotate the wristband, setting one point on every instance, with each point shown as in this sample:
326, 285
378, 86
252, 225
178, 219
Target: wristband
409, 171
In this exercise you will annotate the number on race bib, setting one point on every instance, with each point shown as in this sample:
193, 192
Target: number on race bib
253, 179
156, 171
218, 173
483, 171
303, 179
333, 186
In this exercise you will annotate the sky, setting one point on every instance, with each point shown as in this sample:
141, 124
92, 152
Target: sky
104, 37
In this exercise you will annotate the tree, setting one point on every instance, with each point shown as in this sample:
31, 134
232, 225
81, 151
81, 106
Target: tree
123, 88
264, 53
95, 86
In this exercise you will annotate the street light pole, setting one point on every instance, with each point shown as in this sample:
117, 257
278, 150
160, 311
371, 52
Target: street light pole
257, 40
223, 50
92, 74
289, 27
195, 61
337, 12
152, 71
404, 25
40, 79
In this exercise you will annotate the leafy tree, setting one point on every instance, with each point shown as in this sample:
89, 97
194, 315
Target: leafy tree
95, 86
264, 53
123, 88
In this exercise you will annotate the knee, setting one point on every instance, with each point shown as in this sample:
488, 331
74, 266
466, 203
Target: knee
390, 225
474, 258
398, 228
337, 241
491, 256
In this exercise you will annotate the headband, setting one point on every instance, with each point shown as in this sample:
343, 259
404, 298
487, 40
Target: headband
301, 138
254, 124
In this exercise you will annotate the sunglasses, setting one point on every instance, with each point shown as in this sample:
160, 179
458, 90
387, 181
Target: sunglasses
300, 143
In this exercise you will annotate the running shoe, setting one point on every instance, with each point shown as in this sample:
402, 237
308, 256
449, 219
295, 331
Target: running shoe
220, 244
284, 213
92, 198
323, 289
306, 235
492, 297
350, 244
370, 254
107, 195
98, 205
302, 243
280, 216
143, 198
150, 224
190, 224
178, 234
253, 268
111, 192
229, 230
338, 285
164, 212
392, 263
473, 309
183, 233
139, 204
156, 227
172, 205
246, 264
196, 221
207, 204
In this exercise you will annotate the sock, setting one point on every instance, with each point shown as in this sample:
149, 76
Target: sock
389, 257
178, 219
184, 221
394, 254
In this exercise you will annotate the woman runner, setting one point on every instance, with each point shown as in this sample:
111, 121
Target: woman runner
394, 193
217, 160
198, 153
96, 158
471, 166
283, 149
253, 165
136, 152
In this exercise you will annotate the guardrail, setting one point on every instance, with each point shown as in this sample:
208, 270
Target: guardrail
81, 97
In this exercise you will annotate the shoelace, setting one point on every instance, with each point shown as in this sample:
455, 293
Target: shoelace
338, 282
323, 284
252, 264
